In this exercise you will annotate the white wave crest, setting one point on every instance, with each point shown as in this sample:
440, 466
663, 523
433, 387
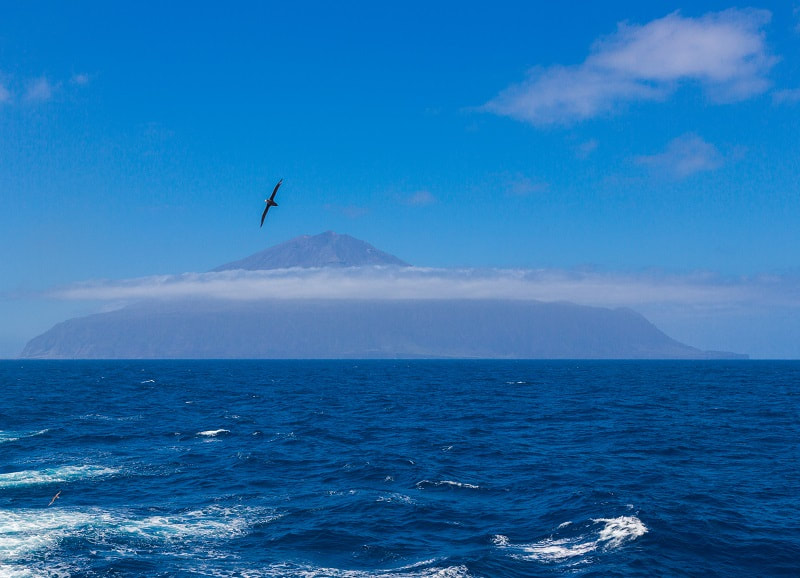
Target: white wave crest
418, 570
618, 531
23, 532
446, 483
12, 436
213, 432
396, 498
601, 534
52, 475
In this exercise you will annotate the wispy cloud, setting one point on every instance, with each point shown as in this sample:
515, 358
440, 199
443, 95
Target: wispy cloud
418, 199
38, 90
586, 148
725, 53
796, 13
698, 290
684, 156
519, 185
80, 79
786, 96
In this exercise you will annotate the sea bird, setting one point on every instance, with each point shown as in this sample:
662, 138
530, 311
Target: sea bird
270, 202
58, 493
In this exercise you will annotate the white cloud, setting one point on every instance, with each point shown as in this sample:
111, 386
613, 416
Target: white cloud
419, 199
5, 94
38, 90
586, 148
699, 290
723, 52
684, 156
796, 12
786, 96
521, 186
80, 79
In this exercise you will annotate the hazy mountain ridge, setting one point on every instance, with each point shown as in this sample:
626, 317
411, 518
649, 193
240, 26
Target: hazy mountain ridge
356, 328
361, 329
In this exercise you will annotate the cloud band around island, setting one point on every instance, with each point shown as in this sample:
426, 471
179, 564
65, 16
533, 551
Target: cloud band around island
725, 53
700, 290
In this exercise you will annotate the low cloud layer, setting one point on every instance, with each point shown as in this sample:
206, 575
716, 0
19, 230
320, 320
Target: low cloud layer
701, 290
724, 53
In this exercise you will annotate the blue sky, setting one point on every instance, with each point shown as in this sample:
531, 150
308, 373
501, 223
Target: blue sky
647, 153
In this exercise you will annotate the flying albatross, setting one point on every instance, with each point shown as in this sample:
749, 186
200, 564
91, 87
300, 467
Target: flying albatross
54, 498
270, 203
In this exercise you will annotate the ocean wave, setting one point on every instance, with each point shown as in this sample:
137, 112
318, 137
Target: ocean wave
30, 540
418, 570
30, 531
62, 474
397, 498
110, 418
12, 436
599, 534
52, 571
422, 484
209, 523
213, 432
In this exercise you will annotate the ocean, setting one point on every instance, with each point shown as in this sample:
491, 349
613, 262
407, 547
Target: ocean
399, 468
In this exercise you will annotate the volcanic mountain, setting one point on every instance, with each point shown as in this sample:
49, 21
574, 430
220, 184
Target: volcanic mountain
352, 328
328, 249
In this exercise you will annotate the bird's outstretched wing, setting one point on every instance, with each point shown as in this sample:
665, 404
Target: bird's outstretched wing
275, 190
270, 203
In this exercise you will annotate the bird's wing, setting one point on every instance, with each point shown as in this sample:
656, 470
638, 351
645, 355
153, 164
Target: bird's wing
264, 215
275, 190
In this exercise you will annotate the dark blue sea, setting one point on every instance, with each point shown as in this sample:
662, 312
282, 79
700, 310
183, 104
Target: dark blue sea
399, 468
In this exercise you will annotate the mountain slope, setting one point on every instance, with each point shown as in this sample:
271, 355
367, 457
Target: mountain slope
361, 329
327, 249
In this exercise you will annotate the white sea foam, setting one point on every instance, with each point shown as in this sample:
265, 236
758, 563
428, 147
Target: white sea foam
213, 432
6, 436
418, 570
36, 534
449, 483
396, 498
500, 541
52, 571
601, 534
209, 523
25, 531
618, 531
28, 531
556, 550
62, 474
111, 418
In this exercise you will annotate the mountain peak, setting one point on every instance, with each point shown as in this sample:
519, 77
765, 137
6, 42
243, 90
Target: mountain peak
328, 249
